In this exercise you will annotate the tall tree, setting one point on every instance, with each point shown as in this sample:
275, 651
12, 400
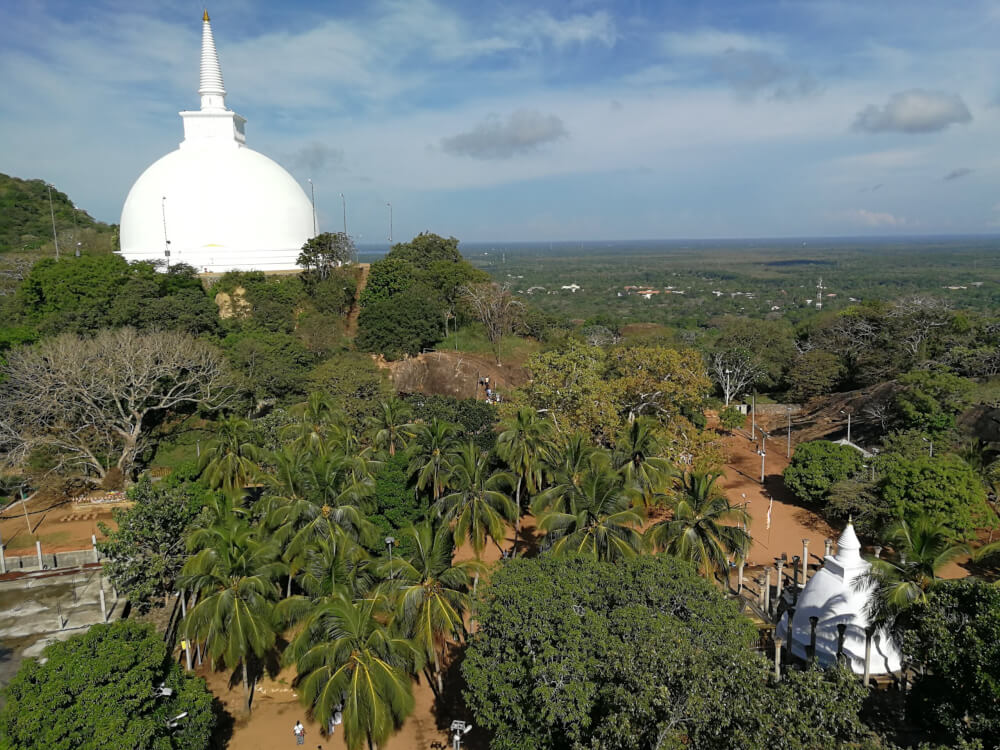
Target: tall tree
92, 401
921, 548
325, 252
524, 444
390, 428
430, 455
595, 518
346, 656
230, 462
235, 579
702, 529
478, 504
637, 455
431, 592
496, 309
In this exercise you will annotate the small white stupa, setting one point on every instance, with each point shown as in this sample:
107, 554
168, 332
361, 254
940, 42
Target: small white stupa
831, 596
214, 203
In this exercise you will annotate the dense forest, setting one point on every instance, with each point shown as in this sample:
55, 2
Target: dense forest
316, 519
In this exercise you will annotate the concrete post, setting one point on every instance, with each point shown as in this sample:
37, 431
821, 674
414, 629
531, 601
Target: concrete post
93, 541
813, 621
3, 561
38, 549
828, 547
767, 591
841, 631
869, 632
805, 562
760, 591
878, 551
104, 605
777, 660
777, 593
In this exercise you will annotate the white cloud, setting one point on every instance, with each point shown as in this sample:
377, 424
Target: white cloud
914, 111
579, 28
712, 42
523, 132
866, 218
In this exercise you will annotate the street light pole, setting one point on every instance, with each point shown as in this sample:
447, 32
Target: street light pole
753, 414
166, 242
312, 200
788, 446
390, 222
343, 203
52, 213
389, 541
459, 730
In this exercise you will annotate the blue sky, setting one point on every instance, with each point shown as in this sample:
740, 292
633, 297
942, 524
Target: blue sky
504, 121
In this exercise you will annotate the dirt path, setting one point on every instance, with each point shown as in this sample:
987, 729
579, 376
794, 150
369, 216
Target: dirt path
59, 524
790, 521
352, 316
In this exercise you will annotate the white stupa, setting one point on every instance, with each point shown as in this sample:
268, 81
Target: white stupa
214, 203
831, 596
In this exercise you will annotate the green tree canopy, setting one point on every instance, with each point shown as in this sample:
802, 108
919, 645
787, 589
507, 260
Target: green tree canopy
99, 691
323, 253
146, 551
944, 488
931, 399
818, 465
574, 653
956, 636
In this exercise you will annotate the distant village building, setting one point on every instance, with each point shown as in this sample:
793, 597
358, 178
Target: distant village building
571, 288
214, 203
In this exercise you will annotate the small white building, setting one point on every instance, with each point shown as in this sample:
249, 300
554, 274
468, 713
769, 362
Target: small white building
833, 597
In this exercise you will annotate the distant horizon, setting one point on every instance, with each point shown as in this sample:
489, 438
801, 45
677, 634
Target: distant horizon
525, 120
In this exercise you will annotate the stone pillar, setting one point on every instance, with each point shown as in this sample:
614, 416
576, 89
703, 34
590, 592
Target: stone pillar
777, 660
3, 561
805, 562
878, 551
93, 541
813, 621
777, 594
827, 547
841, 632
790, 633
104, 605
38, 549
767, 591
795, 573
760, 591
869, 632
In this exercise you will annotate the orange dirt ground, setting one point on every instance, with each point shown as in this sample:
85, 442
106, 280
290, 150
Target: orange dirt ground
60, 525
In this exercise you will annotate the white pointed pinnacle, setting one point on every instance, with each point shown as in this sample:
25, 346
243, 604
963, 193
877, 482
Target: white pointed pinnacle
212, 91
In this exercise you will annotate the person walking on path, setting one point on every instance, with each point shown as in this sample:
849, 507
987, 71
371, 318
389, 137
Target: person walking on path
300, 733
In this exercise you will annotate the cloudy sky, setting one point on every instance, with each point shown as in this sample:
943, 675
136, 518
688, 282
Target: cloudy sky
507, 120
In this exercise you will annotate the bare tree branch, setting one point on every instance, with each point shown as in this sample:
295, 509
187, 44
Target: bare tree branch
496, 308
90, 400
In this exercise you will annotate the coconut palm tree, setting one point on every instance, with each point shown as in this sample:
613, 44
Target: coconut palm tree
703, 527
229, 463
921, 548
637, 455
524, 444
431, 593
235, 580
345, 655
389, 428
430, 458
594, 517
478, 504
318, 417
566, 464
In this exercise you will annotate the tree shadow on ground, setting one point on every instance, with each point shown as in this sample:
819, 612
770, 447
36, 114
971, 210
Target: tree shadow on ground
224, 725
450, 705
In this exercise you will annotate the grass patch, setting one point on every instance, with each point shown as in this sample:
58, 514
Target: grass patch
514, 350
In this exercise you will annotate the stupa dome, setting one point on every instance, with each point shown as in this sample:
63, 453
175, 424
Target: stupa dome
833, 597
214, 203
